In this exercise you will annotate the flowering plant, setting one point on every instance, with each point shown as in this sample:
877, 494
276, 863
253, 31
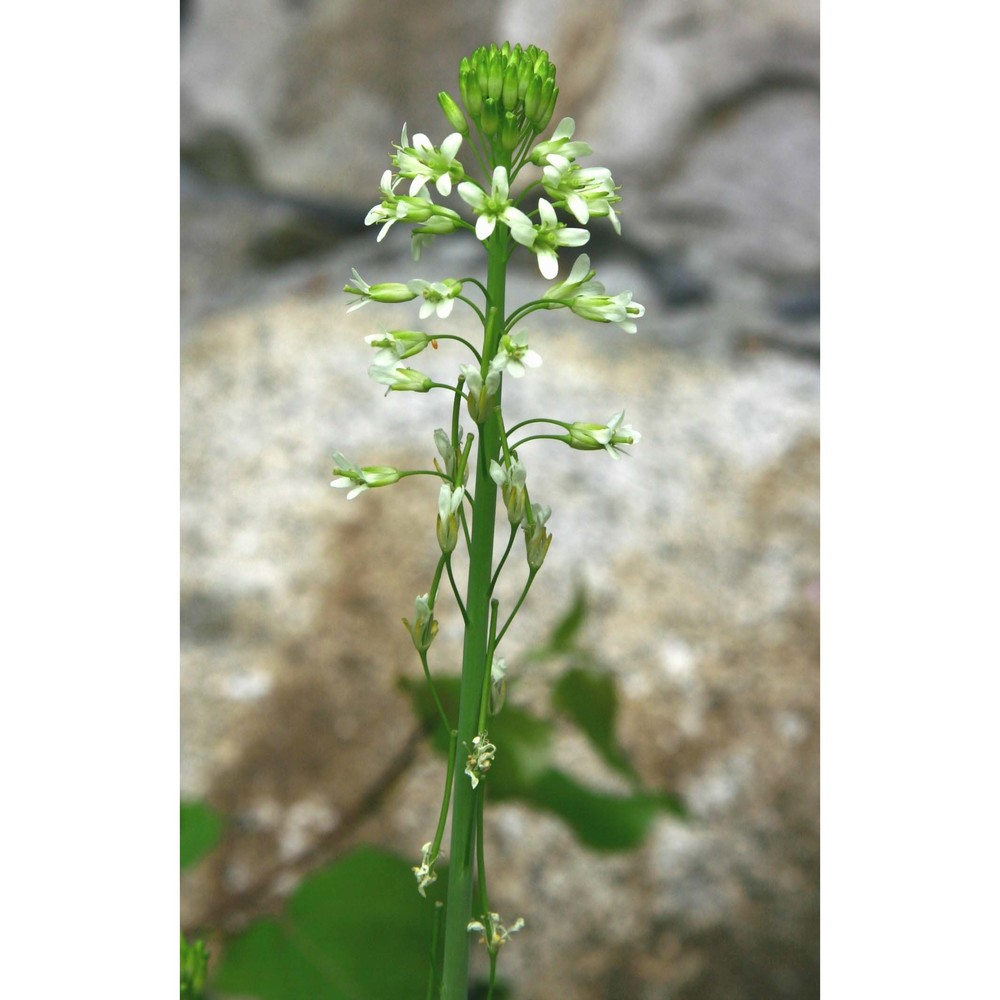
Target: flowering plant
508, 96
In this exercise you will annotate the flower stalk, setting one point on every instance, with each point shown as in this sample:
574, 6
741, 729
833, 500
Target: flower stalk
508, 96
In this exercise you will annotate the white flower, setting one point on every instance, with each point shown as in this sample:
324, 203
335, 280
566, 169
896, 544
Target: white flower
514, 355
543, 239
511, 481
425, 873
480, 394
424, 626
449, 502
579, 277
423, 162
559, 146
480, 758
491, 208
386, 291
593, 437
361, 479
584, 191
439, 296
536, 538
400, 379
396, 208
497, 934
592, 303
396, 345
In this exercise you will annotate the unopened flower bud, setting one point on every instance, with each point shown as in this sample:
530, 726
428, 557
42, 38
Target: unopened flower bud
453, 113
510, 132
546, 104
512, 487
490, 116
533, 99
508, 97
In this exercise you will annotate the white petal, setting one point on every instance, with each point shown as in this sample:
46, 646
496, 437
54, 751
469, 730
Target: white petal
416, 184
548, 263
445, 307
472, 194
450, 145
572, 237
427, 309
485, 225
578, 207
516, 369
357, 491
546, 214
531, 358
565, 129
581, 266
421, 142
444, 185
501, 187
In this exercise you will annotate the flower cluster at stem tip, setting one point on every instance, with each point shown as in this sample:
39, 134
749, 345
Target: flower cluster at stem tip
506, 102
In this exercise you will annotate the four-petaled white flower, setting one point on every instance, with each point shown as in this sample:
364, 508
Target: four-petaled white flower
423, 162
496, 935
491, 208
514, 356
544, 238
439, 296
361, 479
593, 437
405, 208
585, 191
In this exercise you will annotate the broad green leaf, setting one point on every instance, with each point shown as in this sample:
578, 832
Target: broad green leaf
564, 634
524, 751
607, 822
590, 699
201, 828
356, 930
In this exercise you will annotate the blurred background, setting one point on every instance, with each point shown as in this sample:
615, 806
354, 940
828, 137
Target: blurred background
697, 557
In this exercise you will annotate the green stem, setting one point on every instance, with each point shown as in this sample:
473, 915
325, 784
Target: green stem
455, 974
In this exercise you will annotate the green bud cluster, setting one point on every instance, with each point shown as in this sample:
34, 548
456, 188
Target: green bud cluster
509, 93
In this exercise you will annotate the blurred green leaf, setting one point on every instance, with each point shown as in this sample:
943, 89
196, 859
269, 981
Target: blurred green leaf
201, 828
590, 699
607, 822
357, 930
194, 965
524, 751
564, 634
